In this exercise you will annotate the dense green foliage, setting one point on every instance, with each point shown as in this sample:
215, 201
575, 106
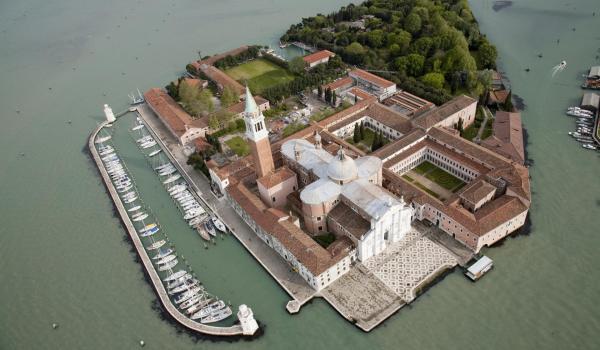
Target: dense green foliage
195, 101
425, 40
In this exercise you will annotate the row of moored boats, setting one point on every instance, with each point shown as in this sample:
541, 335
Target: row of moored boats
184, 289
585, 127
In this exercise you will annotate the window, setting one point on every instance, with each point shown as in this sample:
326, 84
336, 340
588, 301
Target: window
320, 228
273, 199
318, 218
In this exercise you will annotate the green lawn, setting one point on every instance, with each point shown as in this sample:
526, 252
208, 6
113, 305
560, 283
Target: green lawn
259, 74
239, 146
424, 167
408, 178
427, 190
444, 179
293, 128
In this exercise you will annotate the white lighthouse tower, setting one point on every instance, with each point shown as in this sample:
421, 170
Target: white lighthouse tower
110, 116
247, 321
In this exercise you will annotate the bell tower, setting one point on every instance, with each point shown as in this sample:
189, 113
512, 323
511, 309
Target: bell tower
258, 137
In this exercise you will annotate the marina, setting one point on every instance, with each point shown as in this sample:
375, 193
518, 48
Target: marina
186, 288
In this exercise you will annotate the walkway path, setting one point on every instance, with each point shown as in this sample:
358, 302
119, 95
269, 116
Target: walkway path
148, 266
442, 192
477, 138
290, 281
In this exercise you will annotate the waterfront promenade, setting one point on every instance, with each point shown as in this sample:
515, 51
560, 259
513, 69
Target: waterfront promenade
235, 330
289, 280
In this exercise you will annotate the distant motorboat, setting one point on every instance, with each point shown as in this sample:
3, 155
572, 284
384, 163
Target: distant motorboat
153, 153
187, 295
150, 232
167, 259
209, 228
184, 287
137, 207
147, 227
162, 253
140, 218
130, 200
175, 275
217, 316
178, 281
138, 127
148, 144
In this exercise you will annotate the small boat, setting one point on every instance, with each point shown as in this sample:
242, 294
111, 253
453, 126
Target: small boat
179, 281
202, 232
137, 207
196, 306
140, 218
103, 139
217, 316
130, 200
156, 245
146, 228
167, 171
191, 214
191, 302
209, 228
195, 221
153, 153
149, 144
138, 214
168, 265
177, 191
138, 127
125, 189
218, 224
150, 232
175, 275
171, 179
162, 253
144, 139
589, 146
162, 166
184, 287
187, 295
166, 259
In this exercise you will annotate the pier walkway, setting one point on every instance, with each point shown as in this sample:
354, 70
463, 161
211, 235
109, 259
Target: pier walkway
289, 280
154, 277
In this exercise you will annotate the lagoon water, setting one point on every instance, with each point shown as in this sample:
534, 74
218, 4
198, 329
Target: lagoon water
63, 253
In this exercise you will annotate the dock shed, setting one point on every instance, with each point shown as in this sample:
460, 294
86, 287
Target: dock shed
479, 268
594, 73
590, 101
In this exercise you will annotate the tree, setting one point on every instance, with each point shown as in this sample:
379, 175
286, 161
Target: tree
435, 80
458, 59
459, 126
173, 90
206, 98
487, 55
228, 97
213, 122
414, 64
356, 136
320, 91
328, 95
355, 53
361, 130
334, 99
412, 23
508, 105
297, 65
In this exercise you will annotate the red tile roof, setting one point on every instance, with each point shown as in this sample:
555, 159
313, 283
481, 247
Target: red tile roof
222, 79
317, 56
507, 139
277, 177
432, 117
340, 83
171, 113
372, 78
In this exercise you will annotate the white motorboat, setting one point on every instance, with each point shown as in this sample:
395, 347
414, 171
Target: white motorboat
217, 316
138, 214
162, 253
171, 179
193, 302
179, 281
163, 166
144, 139
138, 127
191, 214
195, 221
103, 139
153, 153
156, 244
210, 309
168, 265
589, 146
187, 295
149, 144
124, 189
177, 191
218, 224
175, 275
167, 259
199, 304
167, 171
140, 218
137, 207
184, 287
130, 200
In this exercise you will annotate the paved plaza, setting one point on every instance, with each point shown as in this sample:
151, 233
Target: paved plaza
406, 265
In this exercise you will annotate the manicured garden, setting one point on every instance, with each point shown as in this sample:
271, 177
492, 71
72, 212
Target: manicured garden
260, 74
439, 176
238, 145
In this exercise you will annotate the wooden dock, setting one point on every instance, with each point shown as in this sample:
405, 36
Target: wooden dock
154, 277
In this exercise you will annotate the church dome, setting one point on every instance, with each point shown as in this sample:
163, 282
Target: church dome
342, 168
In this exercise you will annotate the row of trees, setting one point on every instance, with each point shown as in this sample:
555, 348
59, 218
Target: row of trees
328, 95
234, 60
